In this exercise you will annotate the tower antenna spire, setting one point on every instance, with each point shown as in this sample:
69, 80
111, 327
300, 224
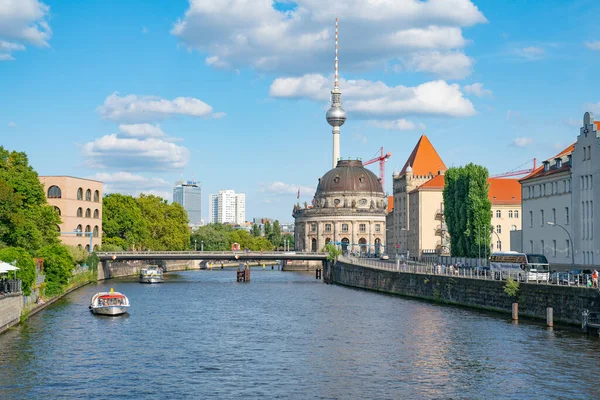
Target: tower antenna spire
336, 116
335, 86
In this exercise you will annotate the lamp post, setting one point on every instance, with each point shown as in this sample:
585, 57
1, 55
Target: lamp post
79, 232
202, 245
195, 241
570, 240
499, 241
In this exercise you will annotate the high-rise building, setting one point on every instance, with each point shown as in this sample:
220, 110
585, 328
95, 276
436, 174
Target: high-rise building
227, 207
189, 195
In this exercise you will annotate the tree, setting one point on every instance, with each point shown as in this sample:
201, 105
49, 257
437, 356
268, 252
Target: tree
26, 220
166, 224
290, 240
214, 236
333, 251
467, 209
256, 230
25, 264
122, 219
78, 253
275, 237
58, 266
268, 229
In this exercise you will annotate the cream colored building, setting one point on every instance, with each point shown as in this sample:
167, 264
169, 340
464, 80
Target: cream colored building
79, 203
349, 209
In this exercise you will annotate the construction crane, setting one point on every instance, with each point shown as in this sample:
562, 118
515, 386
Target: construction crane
519, 172
382, 159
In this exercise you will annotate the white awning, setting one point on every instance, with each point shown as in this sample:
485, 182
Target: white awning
5, 267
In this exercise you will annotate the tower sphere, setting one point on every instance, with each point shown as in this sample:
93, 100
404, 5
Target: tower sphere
336, 116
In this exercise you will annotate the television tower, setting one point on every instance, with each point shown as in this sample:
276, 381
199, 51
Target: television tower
336, 116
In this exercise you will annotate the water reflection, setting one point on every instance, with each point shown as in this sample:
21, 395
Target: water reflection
286, 335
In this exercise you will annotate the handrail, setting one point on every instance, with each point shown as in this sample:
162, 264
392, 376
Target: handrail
240, 252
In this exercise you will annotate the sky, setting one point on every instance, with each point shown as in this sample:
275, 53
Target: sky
233, 93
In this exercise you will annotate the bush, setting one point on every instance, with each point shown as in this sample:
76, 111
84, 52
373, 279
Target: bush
58, 266
25, 264
511, 287
79, 254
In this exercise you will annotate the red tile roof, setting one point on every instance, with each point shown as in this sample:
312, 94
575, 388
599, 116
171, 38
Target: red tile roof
390, 205
424, 160
501, 190
539, 172
436, 182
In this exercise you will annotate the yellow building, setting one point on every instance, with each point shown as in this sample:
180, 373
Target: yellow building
79, 204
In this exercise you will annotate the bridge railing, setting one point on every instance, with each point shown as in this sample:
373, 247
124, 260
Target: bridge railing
277, 253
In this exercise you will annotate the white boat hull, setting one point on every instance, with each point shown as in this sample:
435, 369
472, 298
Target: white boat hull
110, 310
151, 279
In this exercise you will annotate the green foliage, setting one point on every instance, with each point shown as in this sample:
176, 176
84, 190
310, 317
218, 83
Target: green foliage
113, 244
268, 229
122, 219
333, 250
25, 264
78, 253
256, 230
166, 224
467, 209
25, 218
214, 236
275, 236
92, 261
290, 240
511, 287
58, 266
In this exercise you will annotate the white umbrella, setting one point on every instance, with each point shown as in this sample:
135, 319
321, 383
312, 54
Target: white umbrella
5, 267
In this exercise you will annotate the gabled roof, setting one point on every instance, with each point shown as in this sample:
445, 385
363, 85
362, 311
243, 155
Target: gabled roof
424, 160
539, 172
501, 190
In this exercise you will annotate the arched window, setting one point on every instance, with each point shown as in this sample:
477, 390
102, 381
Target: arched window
80, 212
88, 228
79, 229
313, 247
54, 192
96, 214
88, 195
513, 227
88, 213
87, 248
80, 194
96, 231
96, 247
58, 228
57, 210
345, 243
327, 240
362, 242
96, 196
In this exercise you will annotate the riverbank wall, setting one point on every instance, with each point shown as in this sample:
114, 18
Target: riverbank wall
119, 269
567, 302
11, 306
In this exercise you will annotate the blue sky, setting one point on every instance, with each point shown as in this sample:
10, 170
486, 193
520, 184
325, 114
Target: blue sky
234, 93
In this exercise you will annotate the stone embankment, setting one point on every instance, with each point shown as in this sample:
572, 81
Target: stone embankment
119, 269
567, 302
11, 306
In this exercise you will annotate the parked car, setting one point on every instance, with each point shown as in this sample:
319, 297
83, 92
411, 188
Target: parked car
562, 278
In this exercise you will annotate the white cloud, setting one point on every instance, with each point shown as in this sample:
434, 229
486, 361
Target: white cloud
23, 21
398, 125
239, 33
281, 188
478, 90
449, 65
593, 45
360, 138
522, 142
11, 124
141, 130
369, 98
133, 154
531, 53
150, 108
219, 115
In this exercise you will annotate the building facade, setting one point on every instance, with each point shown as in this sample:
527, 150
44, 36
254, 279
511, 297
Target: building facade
558, 203
78, 201
349, 209
227, 207
189, 195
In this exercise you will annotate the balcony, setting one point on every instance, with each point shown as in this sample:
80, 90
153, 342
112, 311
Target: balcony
439, 214
441, 229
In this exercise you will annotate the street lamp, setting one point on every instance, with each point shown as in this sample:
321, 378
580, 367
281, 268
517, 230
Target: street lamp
570, 240
499, 241
79, 232
202, 245
195, 241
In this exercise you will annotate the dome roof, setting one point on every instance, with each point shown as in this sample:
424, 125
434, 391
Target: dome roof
349, 176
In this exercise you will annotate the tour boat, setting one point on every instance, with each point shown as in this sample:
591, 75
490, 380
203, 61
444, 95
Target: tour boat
109, 303
151, 274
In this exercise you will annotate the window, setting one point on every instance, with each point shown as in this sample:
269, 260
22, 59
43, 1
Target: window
531, 246
327, 227
377, 228
344, 227
362, 228
558, 163
584, 153
513, 227
589, 152
57, 210
591, 181
554, 215
80, 212
531, 219
79, 229
96, 196
542, 221
546, 166
543, 189
568, 252
96, 214
516, 214
88, 213
498, 228
96, 231
565, 186
88, 195
542, 244
567, 215
54, 192
313, 227
554, 248
510, 213
498, 213
80, 194
499, 245
88, 229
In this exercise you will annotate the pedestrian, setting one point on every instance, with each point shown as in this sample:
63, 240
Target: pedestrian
595, 279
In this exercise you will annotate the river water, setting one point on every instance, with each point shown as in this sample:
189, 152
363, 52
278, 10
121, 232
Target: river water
286, 335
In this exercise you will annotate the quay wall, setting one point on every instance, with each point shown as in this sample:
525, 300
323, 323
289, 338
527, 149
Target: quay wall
568, 302
118, 269
11, 306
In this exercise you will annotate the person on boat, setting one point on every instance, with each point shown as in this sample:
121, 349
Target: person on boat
595, 279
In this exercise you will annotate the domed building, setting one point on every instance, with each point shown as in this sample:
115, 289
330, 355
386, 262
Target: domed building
348, 209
